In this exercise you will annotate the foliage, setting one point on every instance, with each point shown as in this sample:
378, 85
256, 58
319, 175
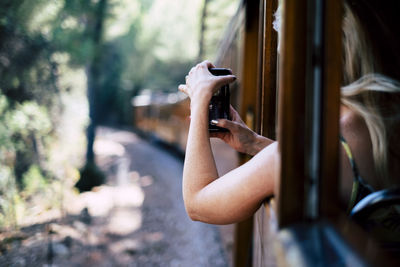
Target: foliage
23, 132
218, 14
9, 199
33, 181
30, 106
46, 53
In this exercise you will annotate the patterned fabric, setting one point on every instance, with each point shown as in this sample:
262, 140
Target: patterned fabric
360, 188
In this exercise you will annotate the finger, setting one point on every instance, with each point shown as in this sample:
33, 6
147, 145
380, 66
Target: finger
234, 114
233, 111
207, 64
183, 88
223, 80
227, 124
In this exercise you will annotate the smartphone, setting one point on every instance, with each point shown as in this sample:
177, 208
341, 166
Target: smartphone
220, 102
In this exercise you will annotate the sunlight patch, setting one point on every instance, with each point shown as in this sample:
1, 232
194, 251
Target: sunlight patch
104, 147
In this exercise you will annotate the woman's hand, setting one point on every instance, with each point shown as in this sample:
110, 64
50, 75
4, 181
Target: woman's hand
240, 137
201, 84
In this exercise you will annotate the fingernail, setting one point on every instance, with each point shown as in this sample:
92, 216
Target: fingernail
214, 122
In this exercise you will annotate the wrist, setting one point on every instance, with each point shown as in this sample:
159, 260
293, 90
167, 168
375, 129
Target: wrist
199, 104
260, 142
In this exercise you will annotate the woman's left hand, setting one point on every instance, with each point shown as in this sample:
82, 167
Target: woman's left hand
201, 84
240, 137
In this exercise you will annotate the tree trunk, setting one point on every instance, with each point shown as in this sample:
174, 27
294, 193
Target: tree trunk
202, 30
93, 78
90, 175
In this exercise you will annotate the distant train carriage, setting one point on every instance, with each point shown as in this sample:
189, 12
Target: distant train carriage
163, 115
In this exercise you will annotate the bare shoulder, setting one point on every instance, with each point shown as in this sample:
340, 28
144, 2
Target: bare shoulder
352, 125
355, 131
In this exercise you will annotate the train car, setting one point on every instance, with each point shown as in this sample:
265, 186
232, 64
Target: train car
293, 97
164, 116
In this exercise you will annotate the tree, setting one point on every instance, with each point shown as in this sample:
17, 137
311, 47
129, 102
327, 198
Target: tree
90, 174
29, 106
203, 18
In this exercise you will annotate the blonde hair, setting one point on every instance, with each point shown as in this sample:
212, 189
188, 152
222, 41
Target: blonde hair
358, 58
361, 96
368, 92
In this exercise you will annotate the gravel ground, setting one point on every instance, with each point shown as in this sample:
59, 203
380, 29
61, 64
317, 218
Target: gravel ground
136, 219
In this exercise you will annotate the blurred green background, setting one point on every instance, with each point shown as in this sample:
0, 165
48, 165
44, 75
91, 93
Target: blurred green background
67, 66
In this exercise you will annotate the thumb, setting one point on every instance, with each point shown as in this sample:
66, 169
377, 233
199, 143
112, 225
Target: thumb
227, 124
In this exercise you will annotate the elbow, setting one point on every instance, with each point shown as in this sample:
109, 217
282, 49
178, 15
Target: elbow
191, 210
192, 215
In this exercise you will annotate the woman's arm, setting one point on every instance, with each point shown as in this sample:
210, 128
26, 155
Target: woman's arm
237, 194
234, 196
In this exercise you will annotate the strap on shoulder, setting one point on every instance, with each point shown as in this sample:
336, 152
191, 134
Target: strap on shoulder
360, 188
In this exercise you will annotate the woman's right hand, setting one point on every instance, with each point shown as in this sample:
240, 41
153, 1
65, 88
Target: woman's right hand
240, 137
201, 84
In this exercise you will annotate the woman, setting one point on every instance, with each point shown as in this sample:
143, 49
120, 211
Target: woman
369, 124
